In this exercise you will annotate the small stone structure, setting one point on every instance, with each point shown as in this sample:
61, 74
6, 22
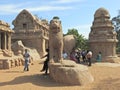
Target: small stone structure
32, 31
102, 37
5, 39
55, 40
7, 58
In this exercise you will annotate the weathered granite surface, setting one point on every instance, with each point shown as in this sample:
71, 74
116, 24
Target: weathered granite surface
70, 73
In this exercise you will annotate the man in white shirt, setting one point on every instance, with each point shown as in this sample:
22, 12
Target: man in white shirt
89, 56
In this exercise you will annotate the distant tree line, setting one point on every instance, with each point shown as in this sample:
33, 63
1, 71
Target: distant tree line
116, 23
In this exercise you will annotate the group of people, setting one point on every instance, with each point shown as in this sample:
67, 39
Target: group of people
77, 55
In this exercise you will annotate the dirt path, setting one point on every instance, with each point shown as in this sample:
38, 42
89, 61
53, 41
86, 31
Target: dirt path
106, 78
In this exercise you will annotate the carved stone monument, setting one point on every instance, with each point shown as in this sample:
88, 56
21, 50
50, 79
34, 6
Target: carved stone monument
5, 39
5, 44
64, 71
102, 37
69, 43
55, 40
7, 57
32, 31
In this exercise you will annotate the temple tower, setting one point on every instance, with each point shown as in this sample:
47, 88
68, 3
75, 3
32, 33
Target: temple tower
102, 37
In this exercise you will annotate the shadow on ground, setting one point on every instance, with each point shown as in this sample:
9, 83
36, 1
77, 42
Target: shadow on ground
38, 79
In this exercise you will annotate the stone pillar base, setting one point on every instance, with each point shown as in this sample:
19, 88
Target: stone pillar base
1, 53
7, 53
4, 64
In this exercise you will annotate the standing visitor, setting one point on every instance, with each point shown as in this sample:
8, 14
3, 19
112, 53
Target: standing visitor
78, 55
99, 57
72, 56
83, 53
26, 56
45, 66
89, 56
65, 56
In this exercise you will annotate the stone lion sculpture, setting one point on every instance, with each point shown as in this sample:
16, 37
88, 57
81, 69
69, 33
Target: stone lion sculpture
55, 40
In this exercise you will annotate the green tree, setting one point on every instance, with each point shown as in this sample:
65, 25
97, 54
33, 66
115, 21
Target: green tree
116, 22
81, 41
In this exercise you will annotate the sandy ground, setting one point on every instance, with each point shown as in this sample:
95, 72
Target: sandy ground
105, 78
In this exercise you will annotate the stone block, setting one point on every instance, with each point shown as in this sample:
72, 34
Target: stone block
70, 74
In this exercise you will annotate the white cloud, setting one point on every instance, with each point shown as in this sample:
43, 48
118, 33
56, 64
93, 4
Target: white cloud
65, 1
49, 8
16, 8
7, 9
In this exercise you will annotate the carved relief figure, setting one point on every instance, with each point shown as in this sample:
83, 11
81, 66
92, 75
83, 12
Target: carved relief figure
55, 40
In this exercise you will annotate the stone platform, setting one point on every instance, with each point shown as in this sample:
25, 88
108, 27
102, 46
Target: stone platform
10, 62
70, 73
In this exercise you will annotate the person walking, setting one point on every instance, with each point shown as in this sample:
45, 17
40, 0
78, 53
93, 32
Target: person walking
26, 56
45, 66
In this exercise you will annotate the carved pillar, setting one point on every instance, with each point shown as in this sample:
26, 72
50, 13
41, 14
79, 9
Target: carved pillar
5, 40
9, 41
43, 46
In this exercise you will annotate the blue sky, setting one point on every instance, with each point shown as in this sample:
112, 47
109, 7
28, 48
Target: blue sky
77, 14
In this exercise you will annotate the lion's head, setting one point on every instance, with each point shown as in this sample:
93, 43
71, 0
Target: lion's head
55, 25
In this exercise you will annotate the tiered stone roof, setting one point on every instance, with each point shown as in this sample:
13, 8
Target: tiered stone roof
5, 27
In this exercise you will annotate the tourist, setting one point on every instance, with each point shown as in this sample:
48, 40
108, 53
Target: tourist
89, 56
26, 56
78, 55
72, 56
65, 56
45, 66
99, 57
83, 53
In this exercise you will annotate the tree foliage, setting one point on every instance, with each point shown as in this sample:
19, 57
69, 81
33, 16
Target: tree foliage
56, 17
81, 41
116, 22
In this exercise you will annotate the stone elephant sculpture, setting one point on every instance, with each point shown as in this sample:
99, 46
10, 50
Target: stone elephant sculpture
69, 43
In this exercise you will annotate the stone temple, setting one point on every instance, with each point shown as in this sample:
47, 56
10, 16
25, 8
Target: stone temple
31, 30
5, 39
102, 37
